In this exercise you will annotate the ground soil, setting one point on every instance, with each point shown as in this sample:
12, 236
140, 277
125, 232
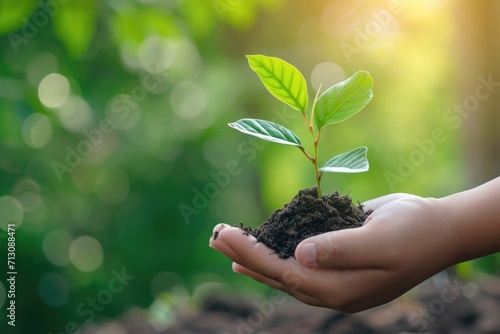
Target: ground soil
305, 216
472, 308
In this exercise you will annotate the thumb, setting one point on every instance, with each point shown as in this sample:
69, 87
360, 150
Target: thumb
345, 249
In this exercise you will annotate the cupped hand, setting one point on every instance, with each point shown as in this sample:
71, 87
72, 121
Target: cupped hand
403, 242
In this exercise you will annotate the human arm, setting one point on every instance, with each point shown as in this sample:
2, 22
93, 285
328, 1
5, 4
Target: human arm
475, 214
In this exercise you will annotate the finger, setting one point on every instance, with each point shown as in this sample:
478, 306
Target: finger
262, 264
344, 290
234, 236
216, 230
238, 268
254, 255
348, 291
218, 243
225, 249
277, 285
361, 247
375, 203
286, 275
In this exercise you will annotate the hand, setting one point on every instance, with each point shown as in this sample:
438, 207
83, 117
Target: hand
404, 241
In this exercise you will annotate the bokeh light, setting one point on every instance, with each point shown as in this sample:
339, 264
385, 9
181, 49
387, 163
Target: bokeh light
27, 192
123, 111
326, 74
53, 90
111, 186
11, 212
53, 289
75, 114
187, 62
25, 185
156, 54
30, 201
339, 18
56, 245
42, 64
86, 253
36, 130
188, 100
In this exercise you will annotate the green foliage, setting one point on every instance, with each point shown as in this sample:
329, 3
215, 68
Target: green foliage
267, 130
75, 25
354, 161
335, 105
12, 11
344, 99
282, 80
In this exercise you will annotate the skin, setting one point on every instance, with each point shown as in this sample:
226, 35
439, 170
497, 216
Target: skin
404, 241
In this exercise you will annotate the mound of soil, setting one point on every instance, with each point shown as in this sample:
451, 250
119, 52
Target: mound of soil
305, 216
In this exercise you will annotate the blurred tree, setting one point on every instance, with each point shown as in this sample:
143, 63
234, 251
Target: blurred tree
479, 50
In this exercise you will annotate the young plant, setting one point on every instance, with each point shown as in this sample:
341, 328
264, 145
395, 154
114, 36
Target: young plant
335, 105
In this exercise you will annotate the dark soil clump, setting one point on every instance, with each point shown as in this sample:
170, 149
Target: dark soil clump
305, 216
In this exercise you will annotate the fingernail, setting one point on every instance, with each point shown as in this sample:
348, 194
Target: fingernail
219, 227
234, 267
219, 245
215, 232
308, 254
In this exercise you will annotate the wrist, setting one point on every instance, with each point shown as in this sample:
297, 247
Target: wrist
472, 217
453, 229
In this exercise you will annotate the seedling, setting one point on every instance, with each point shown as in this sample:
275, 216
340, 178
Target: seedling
335, 105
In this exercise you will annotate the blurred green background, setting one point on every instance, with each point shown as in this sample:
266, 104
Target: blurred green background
113, 121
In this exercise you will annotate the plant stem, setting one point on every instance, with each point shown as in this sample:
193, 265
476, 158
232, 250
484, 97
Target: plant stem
311, 129
315, 162
306, 121
310, 126
307, 154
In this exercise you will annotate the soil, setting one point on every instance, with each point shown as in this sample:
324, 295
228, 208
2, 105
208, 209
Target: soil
305, 216
474, 309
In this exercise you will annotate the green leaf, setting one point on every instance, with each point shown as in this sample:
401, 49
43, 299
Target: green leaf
75, 25
354, 161
14, 14
282, 80
344, 99
267, 130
